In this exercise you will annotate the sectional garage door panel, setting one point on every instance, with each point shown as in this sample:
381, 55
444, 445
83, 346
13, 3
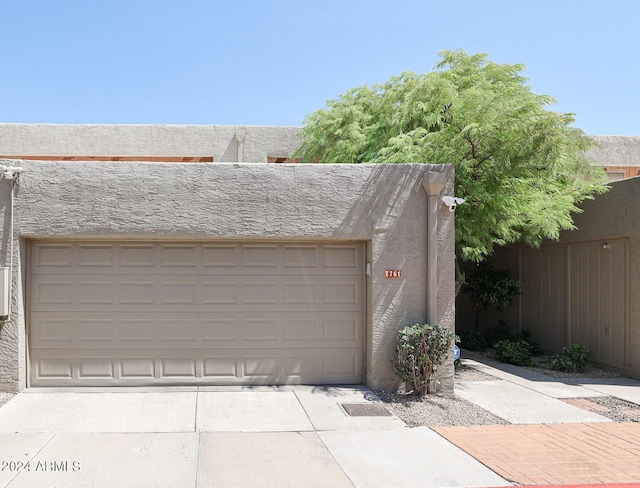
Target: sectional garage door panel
144, 313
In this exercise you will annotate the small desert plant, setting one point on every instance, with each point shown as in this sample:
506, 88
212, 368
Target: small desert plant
499, 332
525, 335
473, 340
421, 348
572, 359
518, 352
480, 340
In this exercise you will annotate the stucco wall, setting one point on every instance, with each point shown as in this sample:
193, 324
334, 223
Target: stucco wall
384, 205
615, 151
218, 141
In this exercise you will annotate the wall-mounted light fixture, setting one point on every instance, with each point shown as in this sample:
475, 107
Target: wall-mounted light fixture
452, 202
10, 172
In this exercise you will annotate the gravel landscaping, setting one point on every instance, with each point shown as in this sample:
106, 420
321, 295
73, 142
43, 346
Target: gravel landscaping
543, 362
611, 407
442, 409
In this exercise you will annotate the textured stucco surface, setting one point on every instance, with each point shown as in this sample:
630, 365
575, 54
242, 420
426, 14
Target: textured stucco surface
616, 151
218, 141
383, 205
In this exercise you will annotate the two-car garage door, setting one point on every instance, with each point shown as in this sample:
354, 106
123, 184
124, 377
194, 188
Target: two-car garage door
188, 313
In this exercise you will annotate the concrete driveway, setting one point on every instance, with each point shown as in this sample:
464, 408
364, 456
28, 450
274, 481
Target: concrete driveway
205, 437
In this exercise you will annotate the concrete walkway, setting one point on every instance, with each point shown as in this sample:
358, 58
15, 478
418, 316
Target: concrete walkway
202, 437
302, 436
521, 396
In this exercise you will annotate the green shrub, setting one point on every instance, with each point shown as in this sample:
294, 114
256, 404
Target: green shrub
473, 340
573, 359
518, 352
477, 340
421, 348
498, 333
525, 335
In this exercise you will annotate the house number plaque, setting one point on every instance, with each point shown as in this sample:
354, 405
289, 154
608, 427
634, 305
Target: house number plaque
392, 273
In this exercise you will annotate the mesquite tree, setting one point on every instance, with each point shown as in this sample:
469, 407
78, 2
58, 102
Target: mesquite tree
521, 167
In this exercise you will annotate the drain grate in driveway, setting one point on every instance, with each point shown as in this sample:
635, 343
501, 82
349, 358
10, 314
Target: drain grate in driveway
366, 410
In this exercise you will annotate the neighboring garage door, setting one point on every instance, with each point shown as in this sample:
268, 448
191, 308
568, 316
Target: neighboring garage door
175, 313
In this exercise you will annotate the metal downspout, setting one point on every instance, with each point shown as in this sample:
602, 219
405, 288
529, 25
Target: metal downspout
433, 183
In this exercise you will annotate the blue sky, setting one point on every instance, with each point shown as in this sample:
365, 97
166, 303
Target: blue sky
271, 62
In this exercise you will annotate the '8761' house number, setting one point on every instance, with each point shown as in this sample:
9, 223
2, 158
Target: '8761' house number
392, 273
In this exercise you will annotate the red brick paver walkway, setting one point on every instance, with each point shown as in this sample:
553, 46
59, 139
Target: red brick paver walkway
554, 453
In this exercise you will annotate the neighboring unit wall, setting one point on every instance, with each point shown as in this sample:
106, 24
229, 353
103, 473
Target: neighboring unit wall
620, 155
219, 143
586, 287
223, 143
382, 205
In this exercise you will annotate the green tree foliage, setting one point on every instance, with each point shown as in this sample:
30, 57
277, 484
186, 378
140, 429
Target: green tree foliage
521, 167
491, 287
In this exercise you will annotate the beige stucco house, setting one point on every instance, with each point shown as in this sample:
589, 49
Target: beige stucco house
174, 255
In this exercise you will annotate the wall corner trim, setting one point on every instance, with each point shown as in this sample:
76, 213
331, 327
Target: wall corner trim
433, 182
